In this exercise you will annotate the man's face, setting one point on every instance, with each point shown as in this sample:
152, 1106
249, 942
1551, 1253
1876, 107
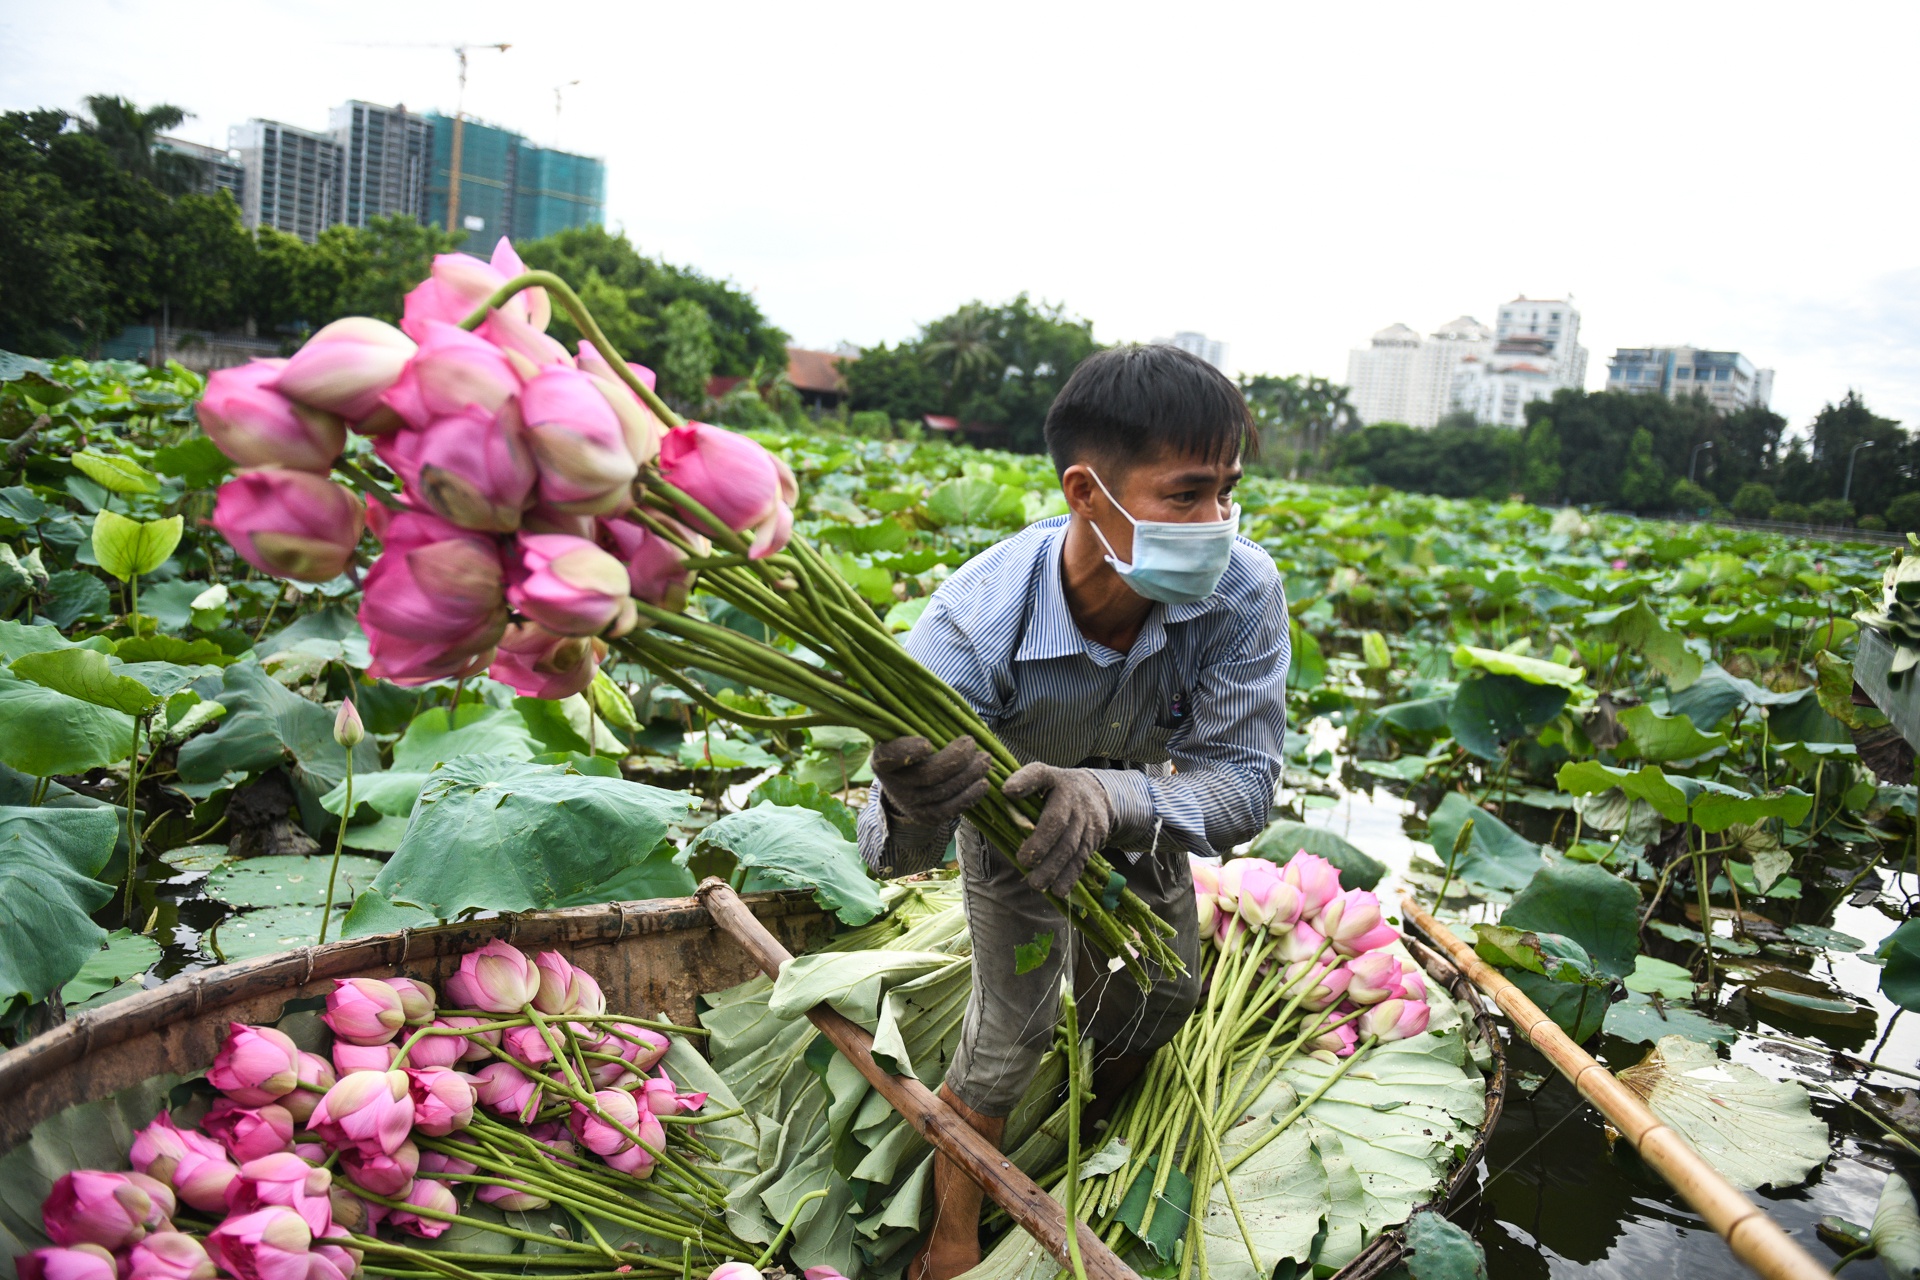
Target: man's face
1173, 488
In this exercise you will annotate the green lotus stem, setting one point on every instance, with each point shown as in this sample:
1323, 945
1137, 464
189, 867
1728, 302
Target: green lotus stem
786, 1228
496, 1228
133, 824
1070, 1015
635, 649
366, 484
333, 870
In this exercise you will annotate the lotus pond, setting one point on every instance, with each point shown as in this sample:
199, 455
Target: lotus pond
1628, 753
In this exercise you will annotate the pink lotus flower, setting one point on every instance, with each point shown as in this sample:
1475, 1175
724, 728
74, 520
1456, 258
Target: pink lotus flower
734, 1271
527, 1045
1317, 880
1206, 889
346, 366
822, 1273
526, 347
249, 1132
431, 1206
267, 1244
517, 1198
379, 1172
496, 978
593, 362
364, 1011
437, 1051
350, 1212
258, 426
1395, 1019
283, 1179
1319, 986
1619, 564
473, 1044
586, 457
317, 1072
255, 1065
1381, 975
194, 1165
416, 1000
663, 1099
441, 601
744, 486
1353, 922
328, 1261
112, 1210
369, 1108
438, 1164
1338, 1041
453, 374
1262, 898
471, 468
565, 988
349, 1058
506, 1090
569, 586
541, 518
645, 1059
169, 1255
442, 1100
290, 524
1302, 942
540, 664
604, 1138
80, 1262
459, 283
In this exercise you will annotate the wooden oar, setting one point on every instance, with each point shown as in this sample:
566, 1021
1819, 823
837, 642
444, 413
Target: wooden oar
1754, 1237
1039, 1213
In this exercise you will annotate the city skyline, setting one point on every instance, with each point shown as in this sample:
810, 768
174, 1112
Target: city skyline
1129, 215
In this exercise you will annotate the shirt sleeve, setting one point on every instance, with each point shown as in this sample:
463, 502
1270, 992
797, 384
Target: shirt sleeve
1226, 765
889, 846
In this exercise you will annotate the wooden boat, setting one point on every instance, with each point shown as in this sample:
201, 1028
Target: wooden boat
652, 957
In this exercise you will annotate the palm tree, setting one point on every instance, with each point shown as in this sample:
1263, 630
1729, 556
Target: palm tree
132, 135
960, 345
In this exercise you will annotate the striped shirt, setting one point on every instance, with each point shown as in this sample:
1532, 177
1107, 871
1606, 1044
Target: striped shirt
1185, 728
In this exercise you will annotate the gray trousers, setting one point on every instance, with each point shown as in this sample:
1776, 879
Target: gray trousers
1011, 1017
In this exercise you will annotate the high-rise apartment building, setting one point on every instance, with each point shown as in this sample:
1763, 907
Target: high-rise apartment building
386, 154
292, 178
511, 187
1727, 379
1402, 377
219, 170
1212, 350
1536, 352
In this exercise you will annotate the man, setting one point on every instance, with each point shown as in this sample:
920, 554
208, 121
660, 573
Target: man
1133, 655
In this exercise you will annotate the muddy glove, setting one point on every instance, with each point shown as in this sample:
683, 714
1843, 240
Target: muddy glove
922, 787
1077, 820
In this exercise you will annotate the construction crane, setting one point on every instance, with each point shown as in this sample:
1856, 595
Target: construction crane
460, 51
557, 91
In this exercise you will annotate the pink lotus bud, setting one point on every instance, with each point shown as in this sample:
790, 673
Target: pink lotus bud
79, 1262
333, 1261
517, 1198
565, 988
111, 1210
1317, 880
443, 1100
369, 1108
413, 662
593, 362
525, 347
439, 1164
473, 1044
612, 1075
1353, 922
437, 1050
541, 518
448, 593
347, 366
1381, 975
1319, 986
194, 1165
604, 1138
1302, 942
283, 1179
348, 731
656, 569
169, 1255
644, 1059
569, 586
255, 1065
431, 1206
364, 1011
822, 1273
350, 1212
290, 524
1619, 564
258, 426
317, 1072
471, 467
1259, 895
249, 1132
416, 1000
506, 1090
1338, 1041
1206, 907
1395, 1019
454, 374
498, 978
540, 664
267, 1244
379, 1172
527, 1045
349, 1058
734, 1271
743, 485
663, 1099
585, 457
460, 282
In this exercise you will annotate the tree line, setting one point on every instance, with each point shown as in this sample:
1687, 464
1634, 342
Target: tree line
104, 229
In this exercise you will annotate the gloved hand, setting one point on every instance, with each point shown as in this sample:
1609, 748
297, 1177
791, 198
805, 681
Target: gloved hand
927, 788
1077, 820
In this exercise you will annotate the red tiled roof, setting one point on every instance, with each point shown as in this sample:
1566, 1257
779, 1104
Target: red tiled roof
816, 371
941, 422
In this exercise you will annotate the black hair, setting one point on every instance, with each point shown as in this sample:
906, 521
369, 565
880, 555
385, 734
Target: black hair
1127, 404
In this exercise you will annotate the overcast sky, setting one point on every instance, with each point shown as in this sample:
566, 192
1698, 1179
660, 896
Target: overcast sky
1286, 177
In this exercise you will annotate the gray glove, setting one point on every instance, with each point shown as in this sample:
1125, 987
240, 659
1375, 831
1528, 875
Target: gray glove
1077, 820
926, 788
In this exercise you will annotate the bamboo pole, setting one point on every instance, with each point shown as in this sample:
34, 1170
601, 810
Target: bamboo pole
1755, 1239
1029, 1206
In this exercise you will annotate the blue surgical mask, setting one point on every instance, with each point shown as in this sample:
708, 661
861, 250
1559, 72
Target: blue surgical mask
1174, 561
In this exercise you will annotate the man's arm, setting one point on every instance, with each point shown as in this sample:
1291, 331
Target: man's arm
889, 843
1226, 766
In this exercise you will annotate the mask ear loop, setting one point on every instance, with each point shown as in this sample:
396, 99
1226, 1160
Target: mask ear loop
1113, 556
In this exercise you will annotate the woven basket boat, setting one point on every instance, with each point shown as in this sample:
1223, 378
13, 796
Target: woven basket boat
653, 957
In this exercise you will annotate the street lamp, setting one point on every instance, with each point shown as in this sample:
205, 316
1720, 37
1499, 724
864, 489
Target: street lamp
1694, 460
1846, 494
